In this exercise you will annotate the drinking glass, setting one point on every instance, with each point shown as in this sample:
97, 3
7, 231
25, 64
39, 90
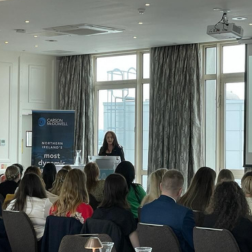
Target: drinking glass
107, 246
77, 157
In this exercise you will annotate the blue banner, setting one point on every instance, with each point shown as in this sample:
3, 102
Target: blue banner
52, 137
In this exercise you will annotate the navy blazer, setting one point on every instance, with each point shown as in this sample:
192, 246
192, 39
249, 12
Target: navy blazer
165, 211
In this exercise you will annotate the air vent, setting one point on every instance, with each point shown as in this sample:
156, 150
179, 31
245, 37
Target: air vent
59, 52
83, 29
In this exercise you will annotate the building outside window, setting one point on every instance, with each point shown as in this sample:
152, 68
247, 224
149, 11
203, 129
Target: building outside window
223, 77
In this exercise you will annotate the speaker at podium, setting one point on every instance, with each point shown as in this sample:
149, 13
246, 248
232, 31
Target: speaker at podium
106, 164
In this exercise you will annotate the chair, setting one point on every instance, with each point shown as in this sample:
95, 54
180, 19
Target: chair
4, 242
198, 217
20, 231
159, 237
97, 226
55, 229
76, 243
214, 240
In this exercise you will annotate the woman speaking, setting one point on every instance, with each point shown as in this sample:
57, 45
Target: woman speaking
110, 146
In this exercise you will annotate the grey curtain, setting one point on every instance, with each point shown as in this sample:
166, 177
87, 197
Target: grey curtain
175, 133
76, 93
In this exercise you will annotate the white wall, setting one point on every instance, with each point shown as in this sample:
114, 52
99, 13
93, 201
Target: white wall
27, 81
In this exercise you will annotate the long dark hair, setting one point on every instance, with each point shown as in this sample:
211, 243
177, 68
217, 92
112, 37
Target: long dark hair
92, 171
115, 192
200, 190
31, 186
127, 169
105, 144
49, 175
228, 204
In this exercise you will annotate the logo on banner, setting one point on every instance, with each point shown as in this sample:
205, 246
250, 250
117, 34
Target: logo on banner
51, 121
41, 121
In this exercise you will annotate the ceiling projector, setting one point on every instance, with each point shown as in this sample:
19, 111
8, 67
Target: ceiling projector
225, 30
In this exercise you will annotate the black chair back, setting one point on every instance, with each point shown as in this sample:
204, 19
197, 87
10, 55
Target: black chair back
158, 237
214, 240
97, 226
20, 231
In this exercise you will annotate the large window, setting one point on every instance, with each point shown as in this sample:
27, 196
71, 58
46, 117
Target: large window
224, 66
122, 98
117, 113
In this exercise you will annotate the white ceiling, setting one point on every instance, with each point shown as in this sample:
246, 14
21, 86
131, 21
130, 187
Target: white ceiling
165, 22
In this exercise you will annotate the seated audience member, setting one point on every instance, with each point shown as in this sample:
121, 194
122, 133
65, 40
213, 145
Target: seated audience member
11, 183
115, 208
229, 209
49, 174
21, 168
248, 173
94, 185
66, 167
136, 191
154, 191
31, 198
247, 189
225, 175
200, 190
34, 169
73, 199
58, 182
165, 210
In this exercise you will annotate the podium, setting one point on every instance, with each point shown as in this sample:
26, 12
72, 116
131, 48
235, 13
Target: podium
106, 164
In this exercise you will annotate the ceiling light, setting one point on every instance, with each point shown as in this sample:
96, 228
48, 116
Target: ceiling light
36, 45
35, 36
250, 24
135, 37
147, 4
6, 42
140, 23
239, 18
216, 9
27, 21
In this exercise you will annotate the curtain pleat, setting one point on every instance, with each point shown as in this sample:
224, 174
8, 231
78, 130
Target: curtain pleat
76, 93
175, 130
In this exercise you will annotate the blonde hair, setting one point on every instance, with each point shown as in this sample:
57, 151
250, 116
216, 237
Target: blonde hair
225, 175
73, 193
12, 173
154, 191
58, 182
247, 185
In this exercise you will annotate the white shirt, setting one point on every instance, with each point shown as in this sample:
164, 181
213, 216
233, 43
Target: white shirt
37, 210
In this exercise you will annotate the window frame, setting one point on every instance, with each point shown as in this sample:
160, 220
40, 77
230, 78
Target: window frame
119, 84
221, 79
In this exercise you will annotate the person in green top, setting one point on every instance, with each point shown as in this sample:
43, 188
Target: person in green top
136, 191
